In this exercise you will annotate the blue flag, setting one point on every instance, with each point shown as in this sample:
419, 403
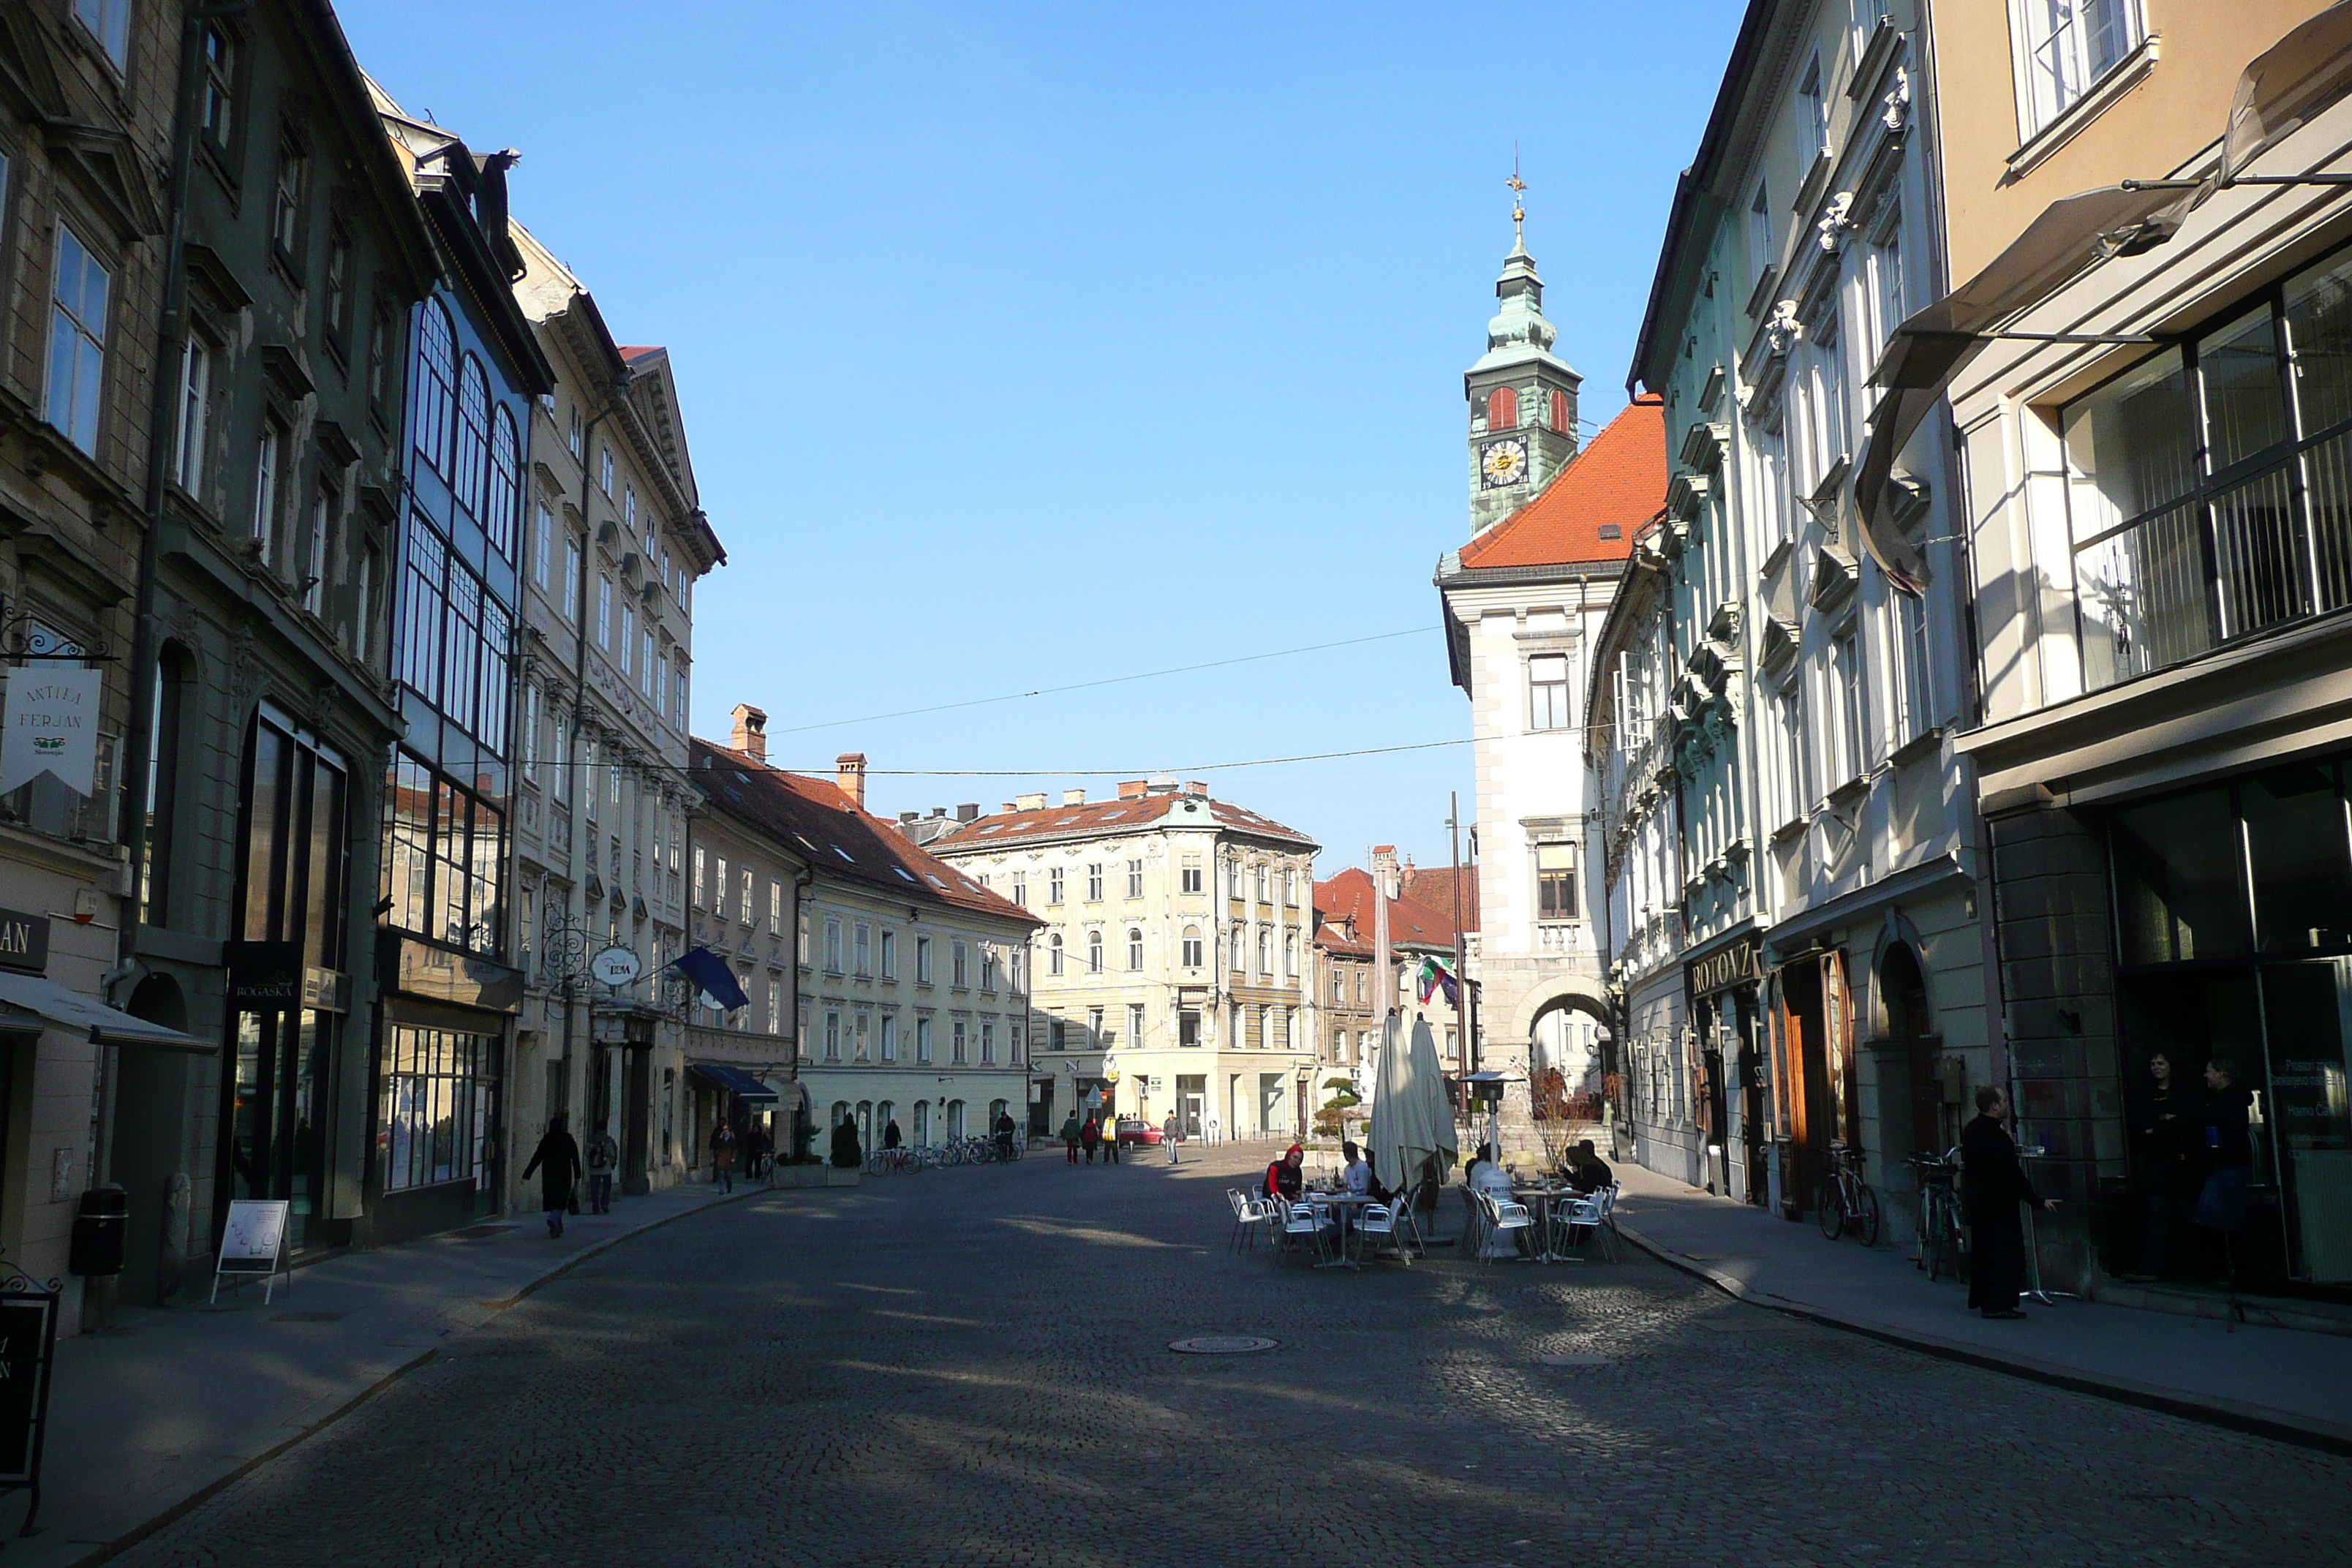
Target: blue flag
710, 970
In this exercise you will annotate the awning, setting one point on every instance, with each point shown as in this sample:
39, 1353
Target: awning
734, 1080
30, 993
2288, 83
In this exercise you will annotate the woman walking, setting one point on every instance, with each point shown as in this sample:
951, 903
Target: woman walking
557, 1160
722, 1156
1070, 1136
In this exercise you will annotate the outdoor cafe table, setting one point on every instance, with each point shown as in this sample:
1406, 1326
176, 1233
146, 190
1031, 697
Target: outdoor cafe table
1347, 1204
1540, 1200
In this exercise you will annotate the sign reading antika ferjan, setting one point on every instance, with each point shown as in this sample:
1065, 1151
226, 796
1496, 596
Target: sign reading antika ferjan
50, 725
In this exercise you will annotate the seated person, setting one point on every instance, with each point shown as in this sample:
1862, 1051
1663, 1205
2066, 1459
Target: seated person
1484, 1175
1586, 1170
1360, 1177
1287, 1177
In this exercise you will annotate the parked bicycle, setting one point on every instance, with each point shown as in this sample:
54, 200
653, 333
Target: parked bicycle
1943, 1243
1847, 1202
893, 1162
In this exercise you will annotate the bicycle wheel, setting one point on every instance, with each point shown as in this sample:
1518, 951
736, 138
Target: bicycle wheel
876, 1165
1866, 1222
1833, 1212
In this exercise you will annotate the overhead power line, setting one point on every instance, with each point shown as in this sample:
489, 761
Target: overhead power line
1127, 772
1106, 680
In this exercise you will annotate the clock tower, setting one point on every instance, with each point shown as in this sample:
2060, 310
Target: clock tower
1522, 398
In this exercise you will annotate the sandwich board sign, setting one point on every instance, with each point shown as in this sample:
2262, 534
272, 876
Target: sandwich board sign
28, 1340
254, 1243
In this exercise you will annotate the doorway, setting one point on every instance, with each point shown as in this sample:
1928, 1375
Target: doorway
1192, 1101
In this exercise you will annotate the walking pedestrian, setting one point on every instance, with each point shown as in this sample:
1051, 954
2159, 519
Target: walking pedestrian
1091, 1136
1111, 1141
1172, 1134
557, 1160
1992, 1184
1070, 1136
603, 1154
2228, 1137
722, 1156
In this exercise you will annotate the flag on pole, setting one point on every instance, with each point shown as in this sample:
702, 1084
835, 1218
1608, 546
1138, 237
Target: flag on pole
1434, 975
710, 972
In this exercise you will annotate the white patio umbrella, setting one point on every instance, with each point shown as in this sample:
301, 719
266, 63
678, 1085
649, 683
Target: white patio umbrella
1411, 1118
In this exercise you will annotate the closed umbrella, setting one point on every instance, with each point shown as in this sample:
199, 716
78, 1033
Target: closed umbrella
1411, 1122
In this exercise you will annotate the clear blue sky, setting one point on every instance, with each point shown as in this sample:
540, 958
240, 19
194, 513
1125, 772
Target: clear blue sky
1024, 346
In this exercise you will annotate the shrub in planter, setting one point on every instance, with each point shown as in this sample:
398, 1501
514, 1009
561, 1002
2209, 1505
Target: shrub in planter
845, 1153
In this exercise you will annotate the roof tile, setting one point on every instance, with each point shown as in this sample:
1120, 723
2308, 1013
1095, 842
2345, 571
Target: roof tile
1618, 480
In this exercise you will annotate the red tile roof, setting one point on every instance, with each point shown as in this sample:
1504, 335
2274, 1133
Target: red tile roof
1099, 816
1432, 887
1349, 895
1333, 939
1618, 480
817, 822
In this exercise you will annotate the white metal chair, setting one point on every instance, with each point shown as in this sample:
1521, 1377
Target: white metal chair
1473, 1223
1405, 1224
1300, 1220
1503, 1218
1249, 1214
1594, 1214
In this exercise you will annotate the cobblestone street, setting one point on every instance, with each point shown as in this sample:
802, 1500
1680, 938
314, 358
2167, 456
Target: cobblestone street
971, 1366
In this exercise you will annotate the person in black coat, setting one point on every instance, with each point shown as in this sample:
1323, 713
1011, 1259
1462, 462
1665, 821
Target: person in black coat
1992, 1184
557, 1160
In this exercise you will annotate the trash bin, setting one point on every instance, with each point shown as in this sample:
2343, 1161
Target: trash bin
98, 1231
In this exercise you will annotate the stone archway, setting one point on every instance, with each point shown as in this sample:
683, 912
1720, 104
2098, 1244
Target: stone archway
1578, 992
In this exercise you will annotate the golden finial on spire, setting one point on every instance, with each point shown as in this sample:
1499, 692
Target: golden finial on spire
1518, 212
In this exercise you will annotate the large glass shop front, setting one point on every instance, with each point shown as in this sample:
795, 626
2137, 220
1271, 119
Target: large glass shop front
2233, 945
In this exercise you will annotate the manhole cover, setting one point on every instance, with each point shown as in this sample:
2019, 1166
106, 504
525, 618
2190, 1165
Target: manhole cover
1574, 1360
309, 1317
1222, 1344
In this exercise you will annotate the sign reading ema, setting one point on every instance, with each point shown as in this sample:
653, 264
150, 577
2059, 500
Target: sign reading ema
1733, 965
48, 724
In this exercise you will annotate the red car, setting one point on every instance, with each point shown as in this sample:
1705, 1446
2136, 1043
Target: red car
1135, 1130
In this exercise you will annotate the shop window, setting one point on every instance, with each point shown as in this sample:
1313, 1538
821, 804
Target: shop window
2178, 890
2297, 845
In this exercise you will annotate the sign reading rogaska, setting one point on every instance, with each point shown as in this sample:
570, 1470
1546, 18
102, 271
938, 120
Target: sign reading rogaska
50, 725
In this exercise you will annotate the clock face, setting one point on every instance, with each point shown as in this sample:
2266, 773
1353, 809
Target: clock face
1503, 462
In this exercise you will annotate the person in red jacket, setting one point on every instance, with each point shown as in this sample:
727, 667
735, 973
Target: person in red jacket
1091, 1136
1287, 1176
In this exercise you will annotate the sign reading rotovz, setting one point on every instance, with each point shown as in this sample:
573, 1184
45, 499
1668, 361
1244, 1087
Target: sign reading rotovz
50, 725
1729, 966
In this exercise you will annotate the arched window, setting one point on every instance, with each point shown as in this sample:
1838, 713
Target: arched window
436, 382
1503, 409
1191, 947
473, 433
1290, 952
1094, 953
1054, 954
1558, 416
1134, 948
922, 1122
499, 519
955, 1119
1238, 949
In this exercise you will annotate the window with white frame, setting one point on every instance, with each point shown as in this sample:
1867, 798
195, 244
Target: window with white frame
2062, 49
832, 945
832, 1036
1054, 888
78, 342
1094, 883
1135, 1022
960, 957
988, 1042
1812, 95
1021, 888
195, 416
1135, 879
109, 22
864, 1050
922, 1042
1760, 253
1135, 949
956, 1047
890, 953
1191, 947
1907, 657
922, 960
1882, 280
1556, 882
863, 949
889, 1037
775, 1005
1847, 756
775, 907
1094, 953
1054, 954
1192, 873
1548, 691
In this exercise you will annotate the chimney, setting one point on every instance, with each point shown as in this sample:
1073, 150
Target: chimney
750, 731
1074, 797
1384, 868
1161, 783
969, 812
849, 773
909, 815
1196, 786
1028, 802
1132, 789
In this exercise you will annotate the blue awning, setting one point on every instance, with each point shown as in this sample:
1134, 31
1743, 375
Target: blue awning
734, 1080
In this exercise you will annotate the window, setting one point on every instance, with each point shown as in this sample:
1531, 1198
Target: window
988, 967
1847, 757
1555, 414
603, 611
1021, 888
109, 22
1884, 287
1094, 883
1338, 988
775, 907
1907, 639
78, 342
1094, 953
542, 545
1018, 1045
1135, 1022
956, 1042
286, 203
1261, 887
574, 430
1503, 409
267, 455
1054, 954
1135, 879
1556, 882
217, 98
505, 487
1266, 949
1548, 691
1760, 253
889, 1030
864, 950
336, 315
571, 565
436, 382
629, 648
1239, 951
195, 417
832, 1036
922, 1042
379, 361
1191, 947
1095, 1035
922, 961
1289, 887
743, 915
988, 1042
1135, 950
1290, 953
1054, 888
1821, 403
434, 1098
313, 566
1192, 873
862, 1038
832, 945
2063, 48
1816, 106
604, 471
889, 954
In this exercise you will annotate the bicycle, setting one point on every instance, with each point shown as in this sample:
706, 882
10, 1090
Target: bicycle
1847, 1202
893, 1162
1943, 1243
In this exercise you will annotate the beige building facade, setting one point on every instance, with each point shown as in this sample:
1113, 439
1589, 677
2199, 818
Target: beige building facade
1173, 968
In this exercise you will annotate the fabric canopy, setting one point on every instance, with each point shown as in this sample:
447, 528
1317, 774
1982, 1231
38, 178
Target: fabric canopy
2286, 84
734, 1080
1412, 1119
106, 1026
1932, 347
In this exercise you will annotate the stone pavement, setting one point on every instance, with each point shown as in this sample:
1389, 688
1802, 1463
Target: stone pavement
971, 1367
2281, 1381
167, 1404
